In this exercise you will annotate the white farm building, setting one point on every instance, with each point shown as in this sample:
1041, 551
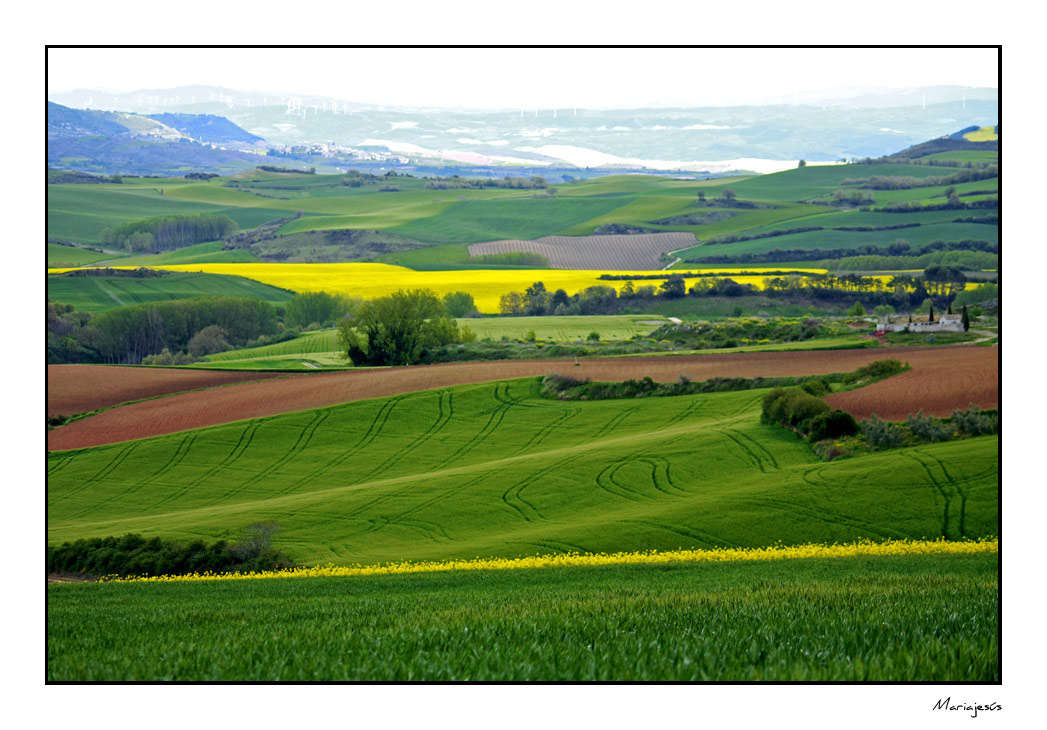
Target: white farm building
945, 323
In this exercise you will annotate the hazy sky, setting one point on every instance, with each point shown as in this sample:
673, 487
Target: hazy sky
526, 78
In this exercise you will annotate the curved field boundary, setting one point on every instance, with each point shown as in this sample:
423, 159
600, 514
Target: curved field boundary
942, 378
954, 379
577, 559
73, 389
614, 253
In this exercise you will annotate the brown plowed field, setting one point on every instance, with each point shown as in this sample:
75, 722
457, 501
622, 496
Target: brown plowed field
73, 389
636, 252
953, 379
950, 370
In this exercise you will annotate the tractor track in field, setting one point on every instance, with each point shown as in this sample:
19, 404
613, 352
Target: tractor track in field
942, 379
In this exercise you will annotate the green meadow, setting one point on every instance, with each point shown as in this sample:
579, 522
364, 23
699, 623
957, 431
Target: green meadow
896, 619
99, 293
495, 470
63, 257
79, 213
445, 222
311, 345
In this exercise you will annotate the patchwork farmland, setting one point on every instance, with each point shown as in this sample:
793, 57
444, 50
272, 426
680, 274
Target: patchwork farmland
956, 376
609, 252
478, 460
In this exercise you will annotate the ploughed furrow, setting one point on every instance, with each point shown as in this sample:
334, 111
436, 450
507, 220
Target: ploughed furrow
605, 480
691, 410
242, 444
444, 414
687, 531
822, 514
660, 477
756, 448
58, 464
544, 432
184, 445
750, 455
302, 442
428, 530
547, 546
102, 473
329, 470
513, 496
493, 422
949, 494
438, 497
613, 423
279, 395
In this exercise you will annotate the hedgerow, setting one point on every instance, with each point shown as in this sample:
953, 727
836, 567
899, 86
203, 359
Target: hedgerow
134, 555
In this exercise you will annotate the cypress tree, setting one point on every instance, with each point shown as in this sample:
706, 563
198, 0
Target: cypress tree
930, 317
966, 319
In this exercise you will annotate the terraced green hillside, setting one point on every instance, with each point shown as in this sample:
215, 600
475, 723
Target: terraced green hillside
493, 470
79, 213
445, 220
62, 257
99, 293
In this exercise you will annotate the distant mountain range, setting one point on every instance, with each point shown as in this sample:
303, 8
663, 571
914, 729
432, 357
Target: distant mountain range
157, 144
225, 129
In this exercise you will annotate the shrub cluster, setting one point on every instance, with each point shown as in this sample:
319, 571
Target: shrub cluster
831, 425
732, 333
876, 370
791, 407
134, 555
919, 429
562, 387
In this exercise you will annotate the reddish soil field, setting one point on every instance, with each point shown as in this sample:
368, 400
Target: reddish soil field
73, 389
957, 377
969, 373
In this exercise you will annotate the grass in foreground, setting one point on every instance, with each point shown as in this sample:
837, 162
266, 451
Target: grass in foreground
905, 618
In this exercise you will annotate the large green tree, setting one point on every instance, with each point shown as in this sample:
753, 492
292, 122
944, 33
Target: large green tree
396, 329
317, 307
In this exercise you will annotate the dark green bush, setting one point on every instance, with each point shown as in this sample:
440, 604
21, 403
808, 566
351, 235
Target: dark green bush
816, 386
132, 554
792, 407
831, 425
877, 369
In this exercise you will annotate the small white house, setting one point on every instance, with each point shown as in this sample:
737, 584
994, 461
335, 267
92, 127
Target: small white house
945, 323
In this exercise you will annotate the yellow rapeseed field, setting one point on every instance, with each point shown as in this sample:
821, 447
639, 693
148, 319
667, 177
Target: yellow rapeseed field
374, 280
774, 552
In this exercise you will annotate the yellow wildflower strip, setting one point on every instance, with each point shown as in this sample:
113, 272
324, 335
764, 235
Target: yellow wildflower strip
487, 286
650, 557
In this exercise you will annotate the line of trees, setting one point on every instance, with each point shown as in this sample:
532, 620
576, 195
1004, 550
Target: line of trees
906, 182
454, 182
128, 334
900, 247
169, 232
